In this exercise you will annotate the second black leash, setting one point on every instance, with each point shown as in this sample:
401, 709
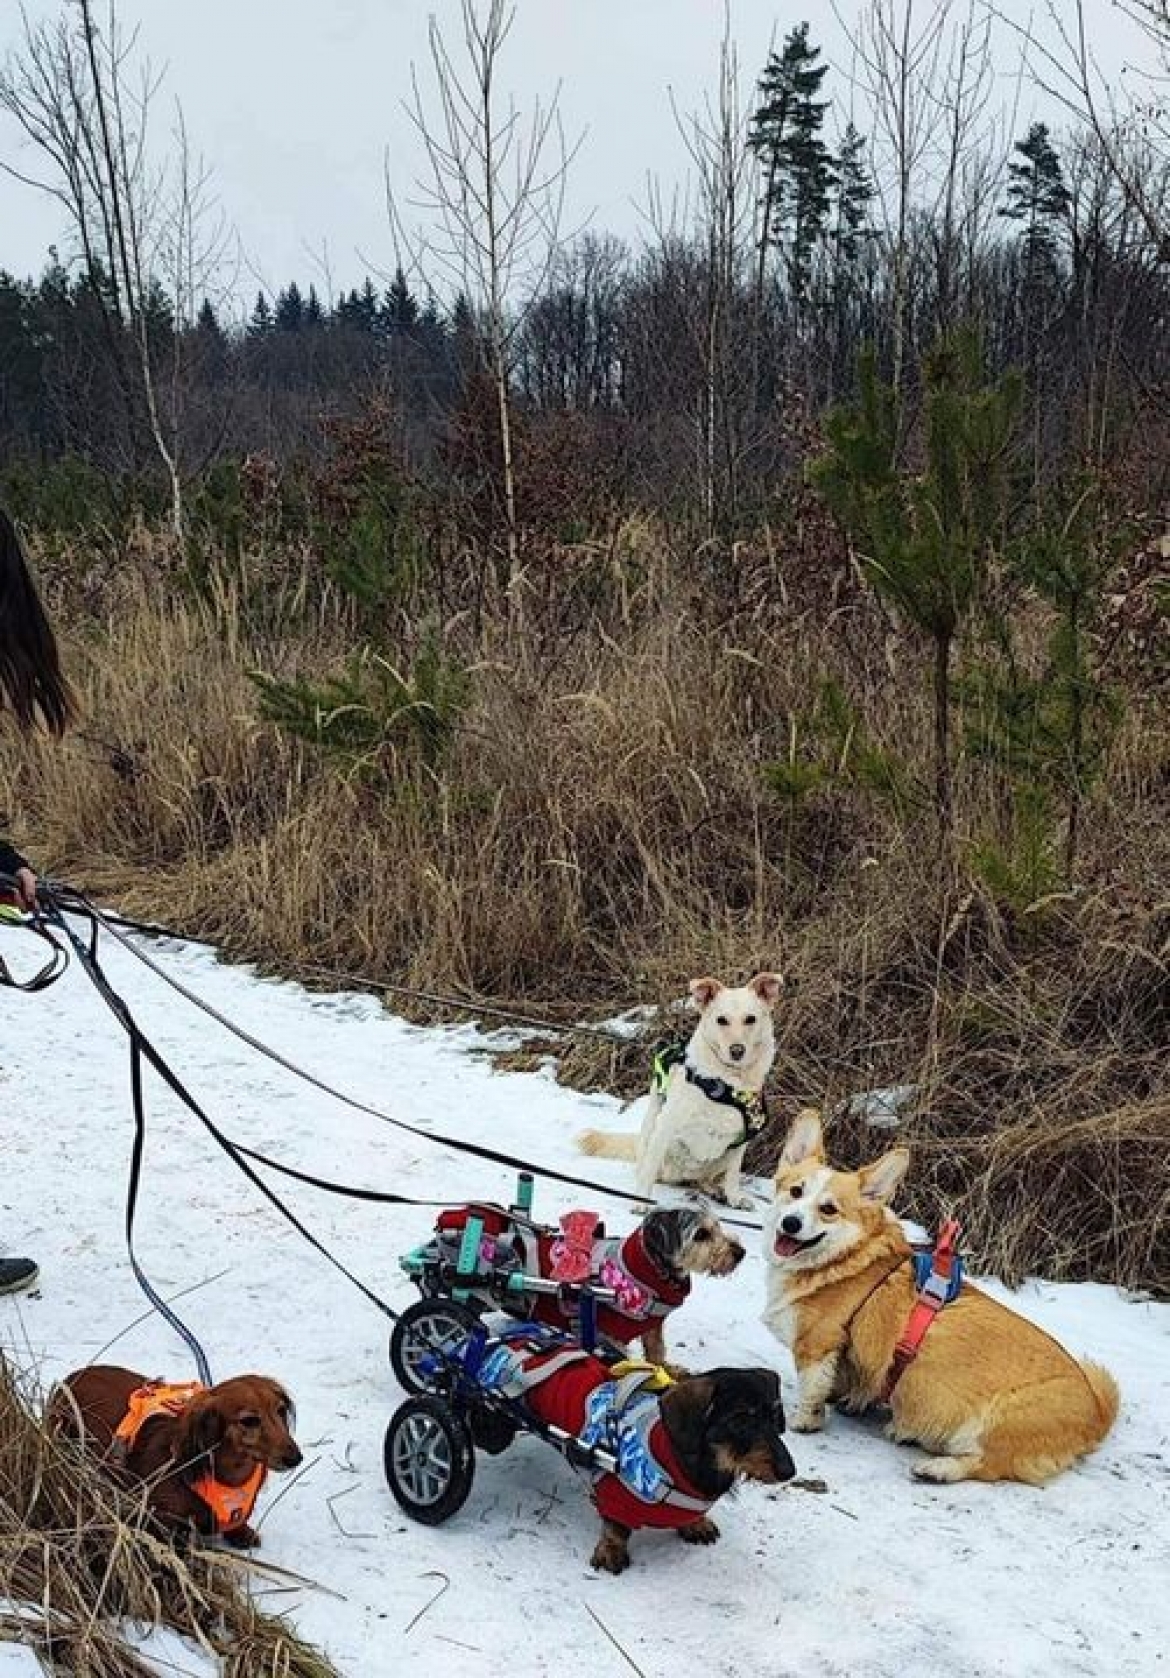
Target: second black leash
142, 1050
68, 899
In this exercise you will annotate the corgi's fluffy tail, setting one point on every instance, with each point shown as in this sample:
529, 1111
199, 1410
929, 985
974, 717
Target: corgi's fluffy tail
604, 1144
1104, 1390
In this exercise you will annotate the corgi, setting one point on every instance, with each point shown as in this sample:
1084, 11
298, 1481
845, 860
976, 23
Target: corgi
989, 1396
706, 1106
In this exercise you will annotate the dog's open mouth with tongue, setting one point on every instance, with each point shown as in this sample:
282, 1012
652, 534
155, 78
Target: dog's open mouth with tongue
787, 1246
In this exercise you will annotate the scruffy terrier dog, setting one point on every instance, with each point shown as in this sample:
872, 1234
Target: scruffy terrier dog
648, 1271
651, 1270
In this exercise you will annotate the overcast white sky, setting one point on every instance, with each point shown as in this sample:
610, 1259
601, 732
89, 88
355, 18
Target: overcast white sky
293, 104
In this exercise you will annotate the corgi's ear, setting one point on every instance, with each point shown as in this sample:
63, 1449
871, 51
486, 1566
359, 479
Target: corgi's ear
805, 1141
879, 1180
767, 987
703, 992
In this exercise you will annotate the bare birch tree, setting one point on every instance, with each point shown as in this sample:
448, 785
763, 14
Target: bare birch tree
901, 48
494, 191
83, 98
725, 179
961, 103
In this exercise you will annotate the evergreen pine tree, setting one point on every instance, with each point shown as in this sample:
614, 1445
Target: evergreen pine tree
855, 193
158, 318
367, 307
400, 313
290, 309
260, 322
1051, 731
359, 309
374, 716
22, 348
211, 340
314, 313
1037, 197
346, 309
432, 329
466, 339
785, 133
431, 334
925, 537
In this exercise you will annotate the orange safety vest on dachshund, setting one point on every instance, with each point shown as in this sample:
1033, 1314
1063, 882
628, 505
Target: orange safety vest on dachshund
230, 1506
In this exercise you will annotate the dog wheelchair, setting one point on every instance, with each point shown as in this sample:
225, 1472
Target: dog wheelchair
482, 1259
460, 1374
474, 1400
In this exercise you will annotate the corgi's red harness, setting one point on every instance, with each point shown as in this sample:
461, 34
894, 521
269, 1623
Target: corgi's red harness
933, 1293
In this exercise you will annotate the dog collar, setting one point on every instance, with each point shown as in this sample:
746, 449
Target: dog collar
667, 1291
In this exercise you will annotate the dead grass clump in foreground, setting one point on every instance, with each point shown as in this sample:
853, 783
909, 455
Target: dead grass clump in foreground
76, 1565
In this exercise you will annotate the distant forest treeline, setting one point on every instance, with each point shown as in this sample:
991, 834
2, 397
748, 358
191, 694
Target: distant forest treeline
684, 375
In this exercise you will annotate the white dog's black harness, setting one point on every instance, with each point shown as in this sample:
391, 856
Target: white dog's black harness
749, 1104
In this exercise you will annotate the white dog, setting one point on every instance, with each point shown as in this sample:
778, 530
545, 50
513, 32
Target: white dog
705, 1104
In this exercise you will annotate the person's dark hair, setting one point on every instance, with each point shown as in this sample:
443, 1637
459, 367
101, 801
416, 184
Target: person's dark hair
31, 680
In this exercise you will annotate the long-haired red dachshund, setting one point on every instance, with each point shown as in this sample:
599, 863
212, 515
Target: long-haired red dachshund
201, 1454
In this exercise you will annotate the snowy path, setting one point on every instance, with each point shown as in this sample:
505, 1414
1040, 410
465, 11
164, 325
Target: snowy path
877, 1575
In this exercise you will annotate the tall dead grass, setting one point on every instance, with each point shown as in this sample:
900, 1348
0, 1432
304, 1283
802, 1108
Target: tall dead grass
602, 830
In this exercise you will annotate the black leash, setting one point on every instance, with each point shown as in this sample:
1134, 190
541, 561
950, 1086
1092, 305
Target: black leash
88, 958
141, 1049
376, 1197
69, 899
364, 981
10, 914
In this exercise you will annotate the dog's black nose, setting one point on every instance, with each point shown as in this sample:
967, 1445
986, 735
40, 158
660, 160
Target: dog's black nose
737, 1051
791, 1224
292, 1459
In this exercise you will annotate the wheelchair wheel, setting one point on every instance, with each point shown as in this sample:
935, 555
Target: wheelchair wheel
429, 1459
427, 1327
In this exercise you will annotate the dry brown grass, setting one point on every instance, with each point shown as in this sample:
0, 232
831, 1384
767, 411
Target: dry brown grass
76, 1566
602, 831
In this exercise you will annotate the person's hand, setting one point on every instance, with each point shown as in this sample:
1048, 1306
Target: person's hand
26, 888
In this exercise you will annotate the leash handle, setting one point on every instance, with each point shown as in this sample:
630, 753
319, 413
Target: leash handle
14, 913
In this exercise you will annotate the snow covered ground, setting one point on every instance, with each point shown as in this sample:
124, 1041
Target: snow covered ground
875, 1575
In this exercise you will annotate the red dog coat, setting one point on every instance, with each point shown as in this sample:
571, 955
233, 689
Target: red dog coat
579, 1394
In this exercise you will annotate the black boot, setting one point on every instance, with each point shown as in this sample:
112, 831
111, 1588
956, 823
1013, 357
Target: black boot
17, 1273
